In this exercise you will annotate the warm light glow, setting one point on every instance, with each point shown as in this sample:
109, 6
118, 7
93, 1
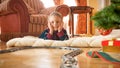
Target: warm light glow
48, 3
70, 3
51, 3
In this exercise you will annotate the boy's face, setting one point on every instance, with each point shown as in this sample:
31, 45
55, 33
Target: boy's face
55, 21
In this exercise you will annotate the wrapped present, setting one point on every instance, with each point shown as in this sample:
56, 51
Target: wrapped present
111, 45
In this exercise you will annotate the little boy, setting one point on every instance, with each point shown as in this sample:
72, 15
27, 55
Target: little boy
55, 29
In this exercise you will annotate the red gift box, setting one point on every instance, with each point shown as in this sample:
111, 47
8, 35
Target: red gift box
111, 45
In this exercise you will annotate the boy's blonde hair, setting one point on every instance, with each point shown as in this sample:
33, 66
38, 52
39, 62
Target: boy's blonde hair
55, 13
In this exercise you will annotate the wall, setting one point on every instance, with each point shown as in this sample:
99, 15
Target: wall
97, 5
94, 4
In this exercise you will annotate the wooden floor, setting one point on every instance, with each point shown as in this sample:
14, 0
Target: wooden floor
48, 58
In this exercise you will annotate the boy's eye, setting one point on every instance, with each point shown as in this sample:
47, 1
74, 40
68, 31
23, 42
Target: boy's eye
56, 21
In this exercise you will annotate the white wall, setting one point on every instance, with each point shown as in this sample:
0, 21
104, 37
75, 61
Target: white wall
103, 3
48, 3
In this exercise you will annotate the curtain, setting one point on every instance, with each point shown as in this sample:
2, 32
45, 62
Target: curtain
81, 27
58, 2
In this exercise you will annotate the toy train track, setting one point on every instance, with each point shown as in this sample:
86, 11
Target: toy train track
68, 60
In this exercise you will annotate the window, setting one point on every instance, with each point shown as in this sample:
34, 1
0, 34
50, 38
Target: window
48, 3
70, 3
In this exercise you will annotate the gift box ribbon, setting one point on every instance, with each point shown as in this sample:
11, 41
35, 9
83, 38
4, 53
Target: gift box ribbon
111, 43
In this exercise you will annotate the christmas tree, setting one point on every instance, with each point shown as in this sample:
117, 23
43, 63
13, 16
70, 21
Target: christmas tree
108, 17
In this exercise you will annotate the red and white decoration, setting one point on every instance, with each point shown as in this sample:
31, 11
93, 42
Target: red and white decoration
113, 42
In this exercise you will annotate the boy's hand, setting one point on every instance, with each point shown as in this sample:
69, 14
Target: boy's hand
50, 27
60, 27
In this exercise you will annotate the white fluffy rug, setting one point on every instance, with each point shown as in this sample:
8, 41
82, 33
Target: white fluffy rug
94, 41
